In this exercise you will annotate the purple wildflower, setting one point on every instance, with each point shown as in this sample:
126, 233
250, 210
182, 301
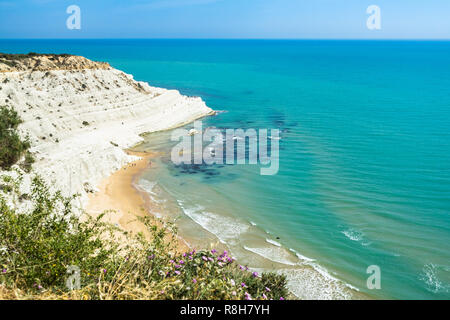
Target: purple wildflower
281, 298
205, 258
104, 270
267, 289
243, 285
264, 296
248, 296
255, 274
213, 251
194, 280
151, 257
181, 262
4, 271
177, 272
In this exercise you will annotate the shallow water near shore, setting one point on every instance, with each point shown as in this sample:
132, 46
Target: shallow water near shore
364, 156
201, 202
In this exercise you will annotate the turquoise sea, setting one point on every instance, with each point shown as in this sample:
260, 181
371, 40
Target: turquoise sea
364, 173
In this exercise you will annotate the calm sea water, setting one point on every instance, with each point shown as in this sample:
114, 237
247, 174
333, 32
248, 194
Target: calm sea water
364, 173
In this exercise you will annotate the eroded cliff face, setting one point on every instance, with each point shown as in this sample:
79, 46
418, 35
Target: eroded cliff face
80, 115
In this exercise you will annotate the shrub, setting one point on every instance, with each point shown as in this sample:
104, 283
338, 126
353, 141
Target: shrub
12, 147
27, 162
38, 246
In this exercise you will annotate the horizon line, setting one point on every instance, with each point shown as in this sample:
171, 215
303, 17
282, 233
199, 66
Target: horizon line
245, 39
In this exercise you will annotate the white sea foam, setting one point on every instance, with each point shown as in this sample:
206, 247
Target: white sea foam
301, 257
306, 279
147, 186
430, 275
323, 272
353, 234
307, 283
311, 281
224, 228
273, 242
356, 235
157, 200
273, 253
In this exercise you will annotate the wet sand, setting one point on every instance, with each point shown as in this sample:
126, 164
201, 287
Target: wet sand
123, 202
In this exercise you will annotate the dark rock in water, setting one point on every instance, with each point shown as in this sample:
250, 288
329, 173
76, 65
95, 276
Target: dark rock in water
278, 118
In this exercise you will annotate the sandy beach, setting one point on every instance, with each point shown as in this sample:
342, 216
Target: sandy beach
122, 201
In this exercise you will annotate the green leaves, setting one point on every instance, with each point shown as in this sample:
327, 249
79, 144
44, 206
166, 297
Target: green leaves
9, 119
40, 244
12, 147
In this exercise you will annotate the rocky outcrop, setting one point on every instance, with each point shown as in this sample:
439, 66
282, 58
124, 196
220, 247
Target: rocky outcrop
47, 62
80, 115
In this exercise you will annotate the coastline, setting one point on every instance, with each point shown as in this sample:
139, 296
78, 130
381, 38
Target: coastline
78, 135
93, 155
120, 192
122, 202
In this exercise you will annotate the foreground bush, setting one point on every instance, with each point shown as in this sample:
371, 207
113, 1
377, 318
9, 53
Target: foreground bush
40, 246
12, 147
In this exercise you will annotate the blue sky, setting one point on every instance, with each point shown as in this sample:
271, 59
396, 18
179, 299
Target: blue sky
299, 19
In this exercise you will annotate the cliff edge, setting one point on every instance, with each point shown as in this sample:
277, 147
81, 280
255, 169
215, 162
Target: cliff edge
80, 115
